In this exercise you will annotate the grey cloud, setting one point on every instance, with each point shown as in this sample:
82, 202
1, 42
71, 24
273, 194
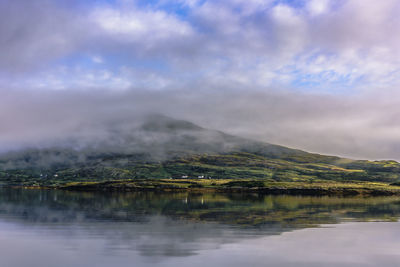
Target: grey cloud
33, 33
360, 127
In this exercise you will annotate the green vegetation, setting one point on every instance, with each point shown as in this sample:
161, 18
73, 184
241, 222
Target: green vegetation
233, 171
229, 185
205, 158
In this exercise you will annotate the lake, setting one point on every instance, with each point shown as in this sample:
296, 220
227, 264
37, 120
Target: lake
59, 228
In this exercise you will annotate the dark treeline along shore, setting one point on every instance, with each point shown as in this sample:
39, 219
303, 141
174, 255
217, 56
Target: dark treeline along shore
164, 154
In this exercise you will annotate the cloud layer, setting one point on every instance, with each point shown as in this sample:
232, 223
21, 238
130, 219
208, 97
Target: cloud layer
362, 127
320, 45
317, 75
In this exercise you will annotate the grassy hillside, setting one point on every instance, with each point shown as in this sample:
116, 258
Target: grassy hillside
239, 166
164, 148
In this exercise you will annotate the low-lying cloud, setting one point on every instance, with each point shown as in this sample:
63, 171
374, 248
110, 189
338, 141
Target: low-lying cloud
358, 127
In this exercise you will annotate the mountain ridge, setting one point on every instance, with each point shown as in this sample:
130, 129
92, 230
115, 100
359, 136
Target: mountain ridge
162, 147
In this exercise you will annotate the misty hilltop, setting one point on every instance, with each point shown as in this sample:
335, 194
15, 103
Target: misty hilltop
157, 146
152, 138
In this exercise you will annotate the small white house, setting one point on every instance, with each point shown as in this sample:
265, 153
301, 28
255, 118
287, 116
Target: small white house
184, 176
200, 176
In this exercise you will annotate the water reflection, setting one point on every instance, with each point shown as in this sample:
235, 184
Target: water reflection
156, 226
243, 210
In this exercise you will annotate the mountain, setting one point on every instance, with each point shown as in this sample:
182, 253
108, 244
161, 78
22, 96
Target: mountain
162, 147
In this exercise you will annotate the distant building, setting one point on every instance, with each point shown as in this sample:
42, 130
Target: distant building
200, 176
184, 176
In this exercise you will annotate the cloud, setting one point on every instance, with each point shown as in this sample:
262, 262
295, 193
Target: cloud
33, 33
130, 26
318, 7
97, 59
257, 39
321, 75
361, 127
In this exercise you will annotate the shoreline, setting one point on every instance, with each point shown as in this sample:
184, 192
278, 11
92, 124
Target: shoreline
321, 188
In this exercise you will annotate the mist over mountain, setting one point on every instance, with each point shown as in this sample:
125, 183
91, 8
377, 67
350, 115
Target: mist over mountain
151, 138
155, 146
310, 122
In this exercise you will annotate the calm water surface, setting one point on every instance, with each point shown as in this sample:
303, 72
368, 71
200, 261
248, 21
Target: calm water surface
55, 228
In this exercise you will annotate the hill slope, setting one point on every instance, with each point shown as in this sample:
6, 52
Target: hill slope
161, 147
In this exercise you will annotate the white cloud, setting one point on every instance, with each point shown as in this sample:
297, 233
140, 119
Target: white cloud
318, 7
134, 24
97, 59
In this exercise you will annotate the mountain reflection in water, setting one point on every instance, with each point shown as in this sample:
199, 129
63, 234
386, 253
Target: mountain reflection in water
158, 226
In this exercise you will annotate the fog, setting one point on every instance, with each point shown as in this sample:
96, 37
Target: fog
359, 127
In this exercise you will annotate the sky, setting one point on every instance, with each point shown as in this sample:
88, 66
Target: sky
319, 75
